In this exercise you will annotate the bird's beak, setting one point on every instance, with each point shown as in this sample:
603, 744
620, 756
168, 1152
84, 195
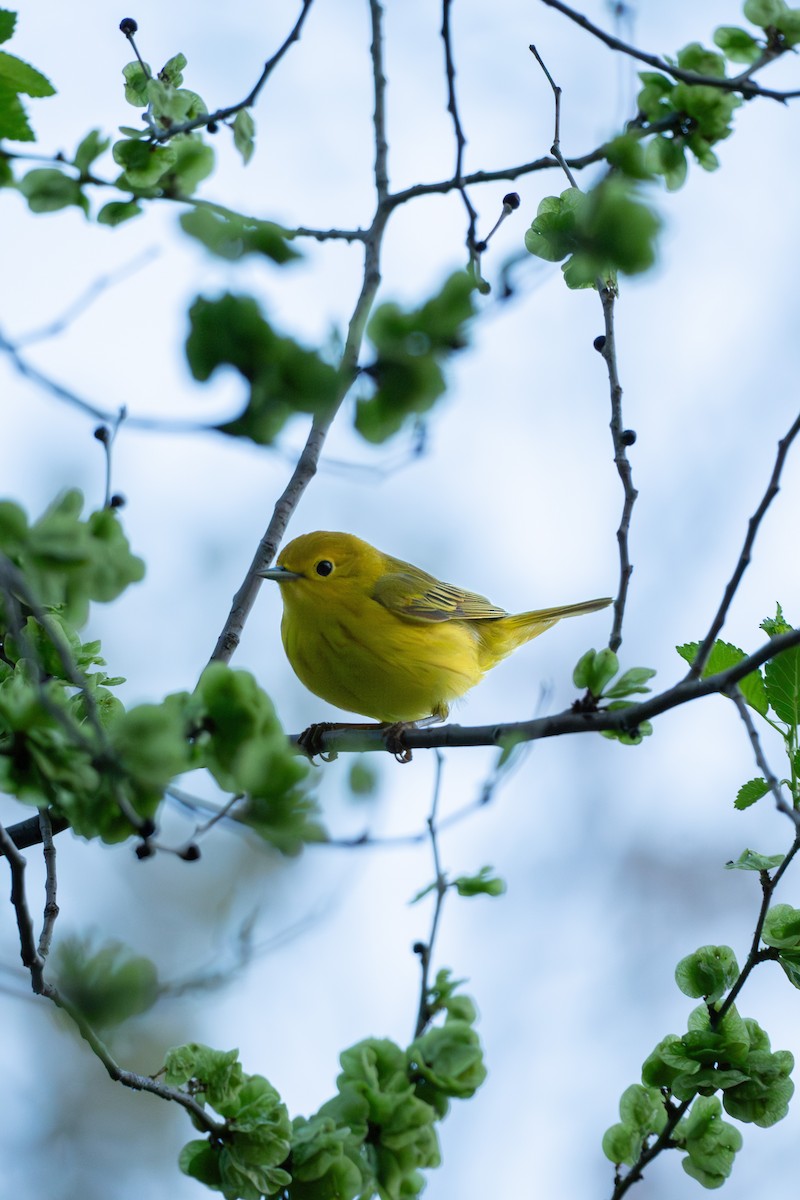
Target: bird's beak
279, 574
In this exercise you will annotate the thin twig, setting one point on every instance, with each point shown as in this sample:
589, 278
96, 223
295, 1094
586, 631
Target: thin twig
31, 959
739, 83
555, 149
774, 786
664, 1139
223, 114
461, 141
50, 884
773, 487
425, 949
309, 459
621, 439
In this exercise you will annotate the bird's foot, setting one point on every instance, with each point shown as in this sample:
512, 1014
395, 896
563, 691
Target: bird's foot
312, 740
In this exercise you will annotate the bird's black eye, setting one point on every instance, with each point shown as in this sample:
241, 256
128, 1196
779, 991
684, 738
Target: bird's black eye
324, 567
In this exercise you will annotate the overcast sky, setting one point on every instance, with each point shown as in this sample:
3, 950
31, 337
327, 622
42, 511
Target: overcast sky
613, 856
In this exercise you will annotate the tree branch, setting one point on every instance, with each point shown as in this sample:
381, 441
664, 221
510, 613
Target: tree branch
739, 83
773, 487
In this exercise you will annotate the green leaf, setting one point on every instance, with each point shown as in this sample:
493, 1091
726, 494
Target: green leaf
48, 190
751, 860
666, 155
92, 146
773, 626
244, 132
19, 76
449, 1057
737, 44
8, 20
782, 927
708, 972
143, 163
482, 884
788, 24
230, 236
117, 211
284, 377
136, 78
172, 71
710, 1142
764, 12
723, 656
695, 57
782, 677
107, 984
411, 348
634, 737
630, 683
749, 792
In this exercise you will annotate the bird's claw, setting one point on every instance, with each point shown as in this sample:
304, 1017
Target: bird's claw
393, 737
311, 741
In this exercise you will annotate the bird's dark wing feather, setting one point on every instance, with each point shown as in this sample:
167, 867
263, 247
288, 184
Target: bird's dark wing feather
412, 593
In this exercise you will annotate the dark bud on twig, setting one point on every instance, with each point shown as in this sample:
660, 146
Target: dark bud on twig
147, 828
599, 343
190, 853
420, 948
101, 433
628, 437
145, 850
480, 247
212, 126
128, 26
511, 201
117, 501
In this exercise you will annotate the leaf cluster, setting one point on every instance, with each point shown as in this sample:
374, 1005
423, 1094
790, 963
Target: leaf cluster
720, 1052
373, 1138
410, 349
594, 673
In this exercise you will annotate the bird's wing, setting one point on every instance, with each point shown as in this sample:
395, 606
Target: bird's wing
412, 593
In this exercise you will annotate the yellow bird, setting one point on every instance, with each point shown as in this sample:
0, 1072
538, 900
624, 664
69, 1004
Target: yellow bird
378, 636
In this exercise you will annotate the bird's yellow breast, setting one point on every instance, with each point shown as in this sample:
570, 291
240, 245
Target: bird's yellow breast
362, 657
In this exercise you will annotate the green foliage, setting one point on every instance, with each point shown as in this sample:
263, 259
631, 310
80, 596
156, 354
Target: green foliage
232, 237
751, 860
363, 779
482, 884
106, 984
710, 1143
49, 190
709, 972
17, 78
749, 792
776, 18
737, 44
246, 750
411, 348
373, 1138
600, 232
774, 693
283, 377
244, 132
594, 672
247, 1164
642, 1115
68, 562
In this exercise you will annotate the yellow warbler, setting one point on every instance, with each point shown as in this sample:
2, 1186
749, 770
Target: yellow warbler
378, 636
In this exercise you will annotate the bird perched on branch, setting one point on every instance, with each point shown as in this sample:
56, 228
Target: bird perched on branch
377, 636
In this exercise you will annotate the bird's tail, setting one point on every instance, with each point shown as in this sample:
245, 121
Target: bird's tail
505, 634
